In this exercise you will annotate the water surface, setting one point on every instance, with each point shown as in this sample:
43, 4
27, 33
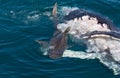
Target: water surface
24, 21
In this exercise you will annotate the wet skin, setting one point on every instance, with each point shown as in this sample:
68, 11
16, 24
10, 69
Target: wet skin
58, 42
80, 12
112, 34
57, 45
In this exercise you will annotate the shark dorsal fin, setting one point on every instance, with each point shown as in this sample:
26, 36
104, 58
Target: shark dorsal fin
54, 12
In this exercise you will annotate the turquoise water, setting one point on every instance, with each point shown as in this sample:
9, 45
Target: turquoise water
24, 21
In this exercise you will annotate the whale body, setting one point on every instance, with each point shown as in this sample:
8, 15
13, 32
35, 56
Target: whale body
96, 31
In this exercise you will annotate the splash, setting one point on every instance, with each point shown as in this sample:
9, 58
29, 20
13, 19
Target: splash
101, 57
97, 43
79, 54
66, 10
28, 17
33, 16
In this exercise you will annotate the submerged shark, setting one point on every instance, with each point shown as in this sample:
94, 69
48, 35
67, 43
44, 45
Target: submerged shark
58, 42
97, 32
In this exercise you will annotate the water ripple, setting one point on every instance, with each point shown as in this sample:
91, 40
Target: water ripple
22, 22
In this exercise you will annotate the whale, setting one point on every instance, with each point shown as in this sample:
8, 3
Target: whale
96, 31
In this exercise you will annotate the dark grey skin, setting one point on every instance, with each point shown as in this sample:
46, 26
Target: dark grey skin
115, 32
112, 34
57, 45
79, 13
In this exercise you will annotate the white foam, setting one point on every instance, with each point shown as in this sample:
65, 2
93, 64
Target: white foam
33, 16
79, 54
47, 13
13, 15
111, 64
66, 10
98, 43
82, 26
84, 55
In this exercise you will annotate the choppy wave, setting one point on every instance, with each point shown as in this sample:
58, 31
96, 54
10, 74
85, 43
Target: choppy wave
84, 55
92, 56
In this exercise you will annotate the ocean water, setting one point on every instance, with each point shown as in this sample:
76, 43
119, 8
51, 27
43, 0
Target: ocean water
24, 21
